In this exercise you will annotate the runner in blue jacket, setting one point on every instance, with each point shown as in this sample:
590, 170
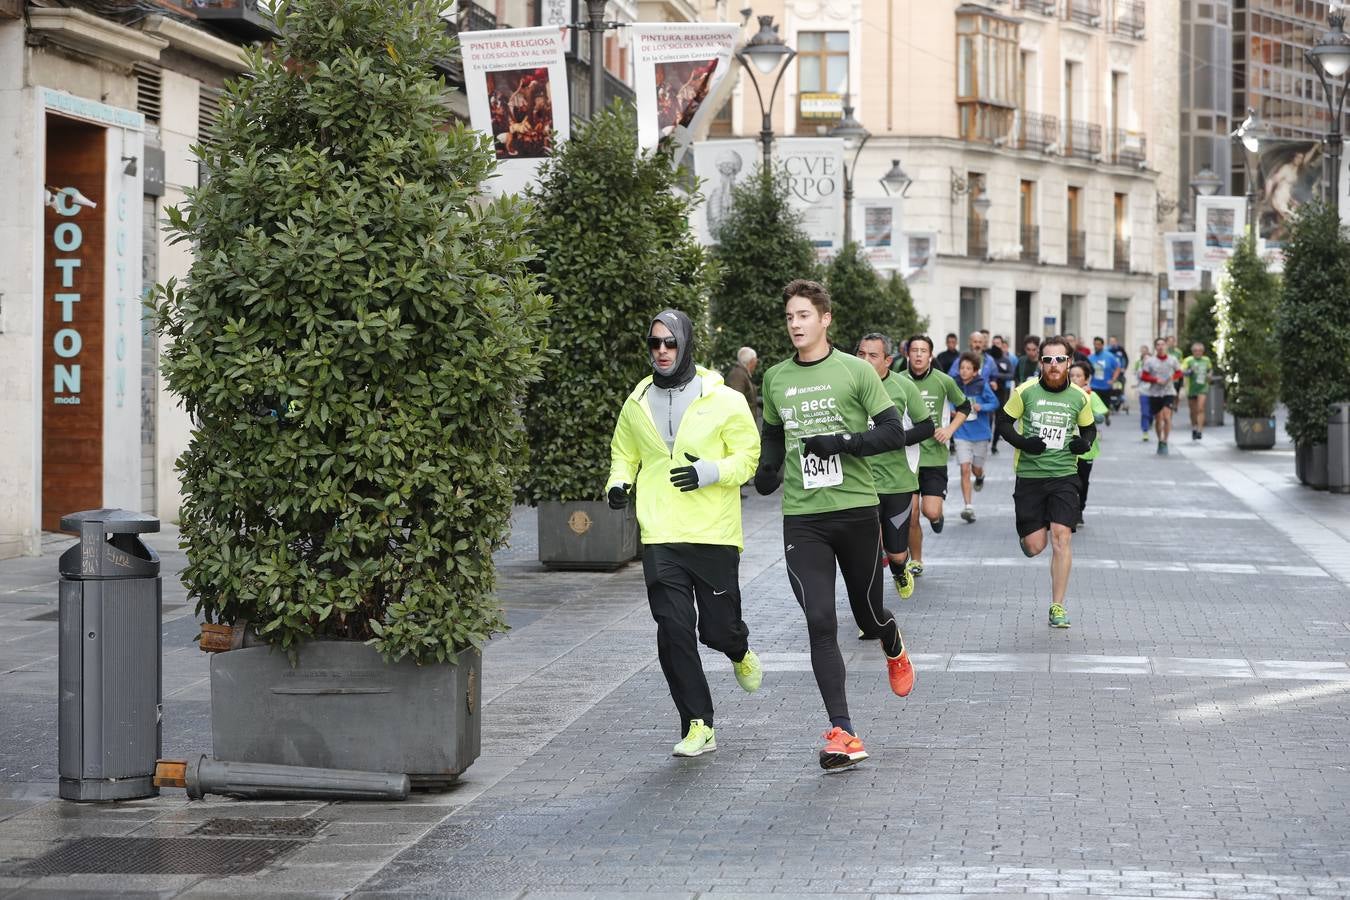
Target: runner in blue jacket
971, 440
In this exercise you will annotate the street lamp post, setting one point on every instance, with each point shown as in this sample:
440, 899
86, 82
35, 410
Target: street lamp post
1330, 58
763, 53
895, 179
855, 136
596, 25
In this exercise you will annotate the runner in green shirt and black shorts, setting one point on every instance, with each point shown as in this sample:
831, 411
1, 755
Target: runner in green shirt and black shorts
937, 390
896, 472
1049, 421
1197, 368
823, 411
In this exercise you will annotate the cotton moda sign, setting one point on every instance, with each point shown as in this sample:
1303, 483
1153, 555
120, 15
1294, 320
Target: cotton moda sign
675, 68
1183, 268
516, 81
1221, 222
815, 170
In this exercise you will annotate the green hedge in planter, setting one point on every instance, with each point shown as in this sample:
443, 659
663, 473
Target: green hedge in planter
1314, 311
1200, 324
351, 341
865, 301
615, 248
1248, 349
761, 247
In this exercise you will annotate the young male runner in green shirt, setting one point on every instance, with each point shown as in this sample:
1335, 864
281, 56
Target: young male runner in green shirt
1197, 368
937, 390
896, 472
1049, 421
817, 407
1080, 373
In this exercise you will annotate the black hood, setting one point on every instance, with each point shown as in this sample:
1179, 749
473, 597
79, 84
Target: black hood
683, 330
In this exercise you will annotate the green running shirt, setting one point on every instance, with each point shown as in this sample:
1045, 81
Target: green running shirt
896, 472
937, 389
838, 393
1098, 412
1197, 369
1056, 416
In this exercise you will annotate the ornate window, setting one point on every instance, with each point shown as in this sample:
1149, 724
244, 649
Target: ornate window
988, 79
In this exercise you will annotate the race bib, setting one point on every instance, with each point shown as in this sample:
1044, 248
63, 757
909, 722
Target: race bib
1053, 437
819, 473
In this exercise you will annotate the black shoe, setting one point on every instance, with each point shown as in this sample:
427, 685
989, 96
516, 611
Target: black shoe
937, 526
979, 482
993, 450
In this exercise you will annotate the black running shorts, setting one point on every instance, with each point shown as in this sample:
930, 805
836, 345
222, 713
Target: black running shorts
933, 481
895, 511
1038, 502
1157, 404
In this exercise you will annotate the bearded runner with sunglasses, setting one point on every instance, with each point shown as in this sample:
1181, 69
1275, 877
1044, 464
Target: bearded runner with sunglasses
817, 407
1050, 423
689, 442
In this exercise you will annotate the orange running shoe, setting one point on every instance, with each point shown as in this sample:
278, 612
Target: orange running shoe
841, 749
901, 672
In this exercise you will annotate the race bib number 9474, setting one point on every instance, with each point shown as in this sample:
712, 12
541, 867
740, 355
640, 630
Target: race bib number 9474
1053, 437
819, 473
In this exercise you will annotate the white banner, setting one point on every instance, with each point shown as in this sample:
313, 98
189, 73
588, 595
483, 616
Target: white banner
815, 168
675, 67
1221, 222
1183, 269
876, 228
920, 254
516, 82
720, 166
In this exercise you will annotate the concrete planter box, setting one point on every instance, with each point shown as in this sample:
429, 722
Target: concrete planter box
1254, 433
343, 707
586, 535
1310, 465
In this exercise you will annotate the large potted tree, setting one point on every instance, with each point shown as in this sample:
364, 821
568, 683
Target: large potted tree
352, 341
866, 301
1248, 349
1314, 356
1201, 327
615, 248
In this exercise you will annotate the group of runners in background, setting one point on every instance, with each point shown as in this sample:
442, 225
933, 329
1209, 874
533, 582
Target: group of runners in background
859, 441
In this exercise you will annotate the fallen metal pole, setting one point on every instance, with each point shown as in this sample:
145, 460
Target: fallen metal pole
263, 781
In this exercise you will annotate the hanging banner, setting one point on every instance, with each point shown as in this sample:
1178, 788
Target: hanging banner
516, 82
876, 228
1221, 222
815, 170
1290, 174
1183, 270
720, 166
920, 254
675, 67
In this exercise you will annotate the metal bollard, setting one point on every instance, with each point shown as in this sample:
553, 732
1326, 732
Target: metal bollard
1338, 449
264, 781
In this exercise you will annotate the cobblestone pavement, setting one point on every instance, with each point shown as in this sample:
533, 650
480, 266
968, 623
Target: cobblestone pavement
1186, 738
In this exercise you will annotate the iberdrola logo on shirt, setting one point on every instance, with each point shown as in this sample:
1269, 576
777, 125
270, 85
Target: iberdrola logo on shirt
813, 389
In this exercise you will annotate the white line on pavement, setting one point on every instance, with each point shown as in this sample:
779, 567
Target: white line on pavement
1141, 565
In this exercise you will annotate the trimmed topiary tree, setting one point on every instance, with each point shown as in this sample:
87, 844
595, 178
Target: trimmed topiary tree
1247, 347
352, 341
1314, 309
615, 248
865, 301
1200, 324
761, 247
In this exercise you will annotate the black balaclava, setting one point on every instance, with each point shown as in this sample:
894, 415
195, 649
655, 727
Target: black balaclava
683, 330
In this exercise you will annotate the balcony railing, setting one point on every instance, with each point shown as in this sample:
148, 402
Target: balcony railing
1077, 248
977, 238
1031, 243
1084, 12
1044, 7
1082, 140
1128, 148
473, 17
1036, 131
1121, 262
1129, 18
243, 19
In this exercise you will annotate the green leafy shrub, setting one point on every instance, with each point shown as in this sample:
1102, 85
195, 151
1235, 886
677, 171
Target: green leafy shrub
1314, 310
865, 301
1200, 324
761, 247
615, 248
1247, 347
351, 341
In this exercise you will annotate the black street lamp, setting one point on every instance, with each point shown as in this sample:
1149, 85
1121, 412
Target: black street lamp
895, 179
855, 136
1252, 133
763, 53
1330, 58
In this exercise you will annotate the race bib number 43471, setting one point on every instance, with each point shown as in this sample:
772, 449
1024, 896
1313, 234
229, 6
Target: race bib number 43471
819, 473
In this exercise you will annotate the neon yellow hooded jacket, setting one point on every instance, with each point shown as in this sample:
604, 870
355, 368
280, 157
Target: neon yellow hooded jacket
717, 427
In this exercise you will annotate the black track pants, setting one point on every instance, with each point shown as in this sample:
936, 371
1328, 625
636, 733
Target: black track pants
812, 545
694, 588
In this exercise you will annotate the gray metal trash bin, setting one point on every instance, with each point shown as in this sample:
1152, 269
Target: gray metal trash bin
1214, 402
1338, 449
109, 667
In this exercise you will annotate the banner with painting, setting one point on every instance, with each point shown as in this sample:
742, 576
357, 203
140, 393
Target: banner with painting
815, 171
720, 167
876, 228
1183, 270
1220, 223
1290, 174
676, 66
516, 82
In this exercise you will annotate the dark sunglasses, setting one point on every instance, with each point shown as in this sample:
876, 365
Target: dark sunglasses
654, 343
1057, 360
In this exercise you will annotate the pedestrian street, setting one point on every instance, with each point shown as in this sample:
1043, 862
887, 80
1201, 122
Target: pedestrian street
1184, 738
